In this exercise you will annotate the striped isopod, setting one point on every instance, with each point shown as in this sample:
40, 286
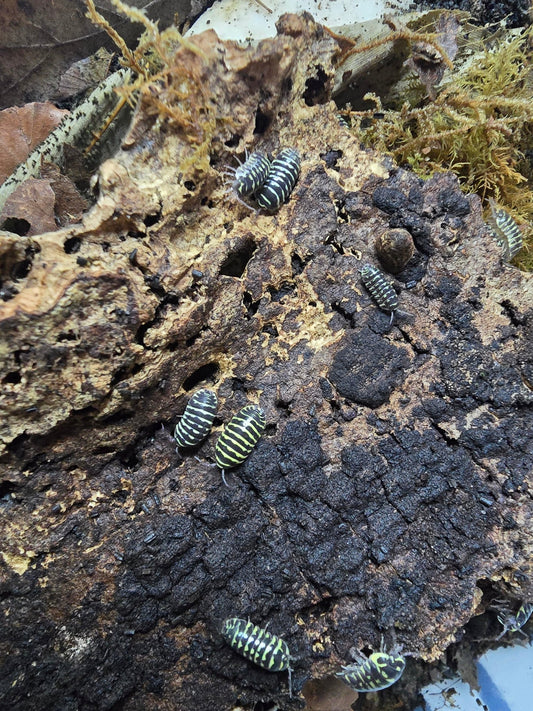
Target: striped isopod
342, 121
505, 230
258, 645
380, 288
251, 175
281, 179
239, 437
379, 671
197, 419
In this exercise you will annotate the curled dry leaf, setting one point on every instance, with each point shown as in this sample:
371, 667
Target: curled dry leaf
85, 74
40, 40
426, 61
69, 203
21, 129
33, 201
46, 204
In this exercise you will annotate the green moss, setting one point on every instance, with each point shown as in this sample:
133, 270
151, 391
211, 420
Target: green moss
478, 127
170, 84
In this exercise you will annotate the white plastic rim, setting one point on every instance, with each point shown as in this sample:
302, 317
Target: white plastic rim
248, 20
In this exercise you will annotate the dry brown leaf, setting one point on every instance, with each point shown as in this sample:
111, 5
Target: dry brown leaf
85, 74
40, 40
21, 129
33, 201
427, 62
69, 203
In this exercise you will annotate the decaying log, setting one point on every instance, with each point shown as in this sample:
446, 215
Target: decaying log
389, 493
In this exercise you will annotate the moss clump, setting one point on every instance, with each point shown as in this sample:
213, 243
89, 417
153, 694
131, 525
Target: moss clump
478, 126
172, 90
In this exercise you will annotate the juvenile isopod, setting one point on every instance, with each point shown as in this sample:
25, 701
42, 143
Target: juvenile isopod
380, 289
342, 121
281, 180
258, 645
379, 671
197, 420
239, 437
505, 230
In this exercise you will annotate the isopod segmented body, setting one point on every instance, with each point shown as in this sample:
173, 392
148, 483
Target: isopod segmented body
380, 288
251, 175
281, 180
258, 645
379, 671
506, 231
197, 420
239, 437
342, 121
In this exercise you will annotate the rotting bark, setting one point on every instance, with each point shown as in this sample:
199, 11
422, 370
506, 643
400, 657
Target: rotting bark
390, 489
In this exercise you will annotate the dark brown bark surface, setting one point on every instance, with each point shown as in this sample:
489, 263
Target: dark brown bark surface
390, 491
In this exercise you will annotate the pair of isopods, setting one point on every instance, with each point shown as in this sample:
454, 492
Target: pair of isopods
377, 672
238, 437
270, 182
